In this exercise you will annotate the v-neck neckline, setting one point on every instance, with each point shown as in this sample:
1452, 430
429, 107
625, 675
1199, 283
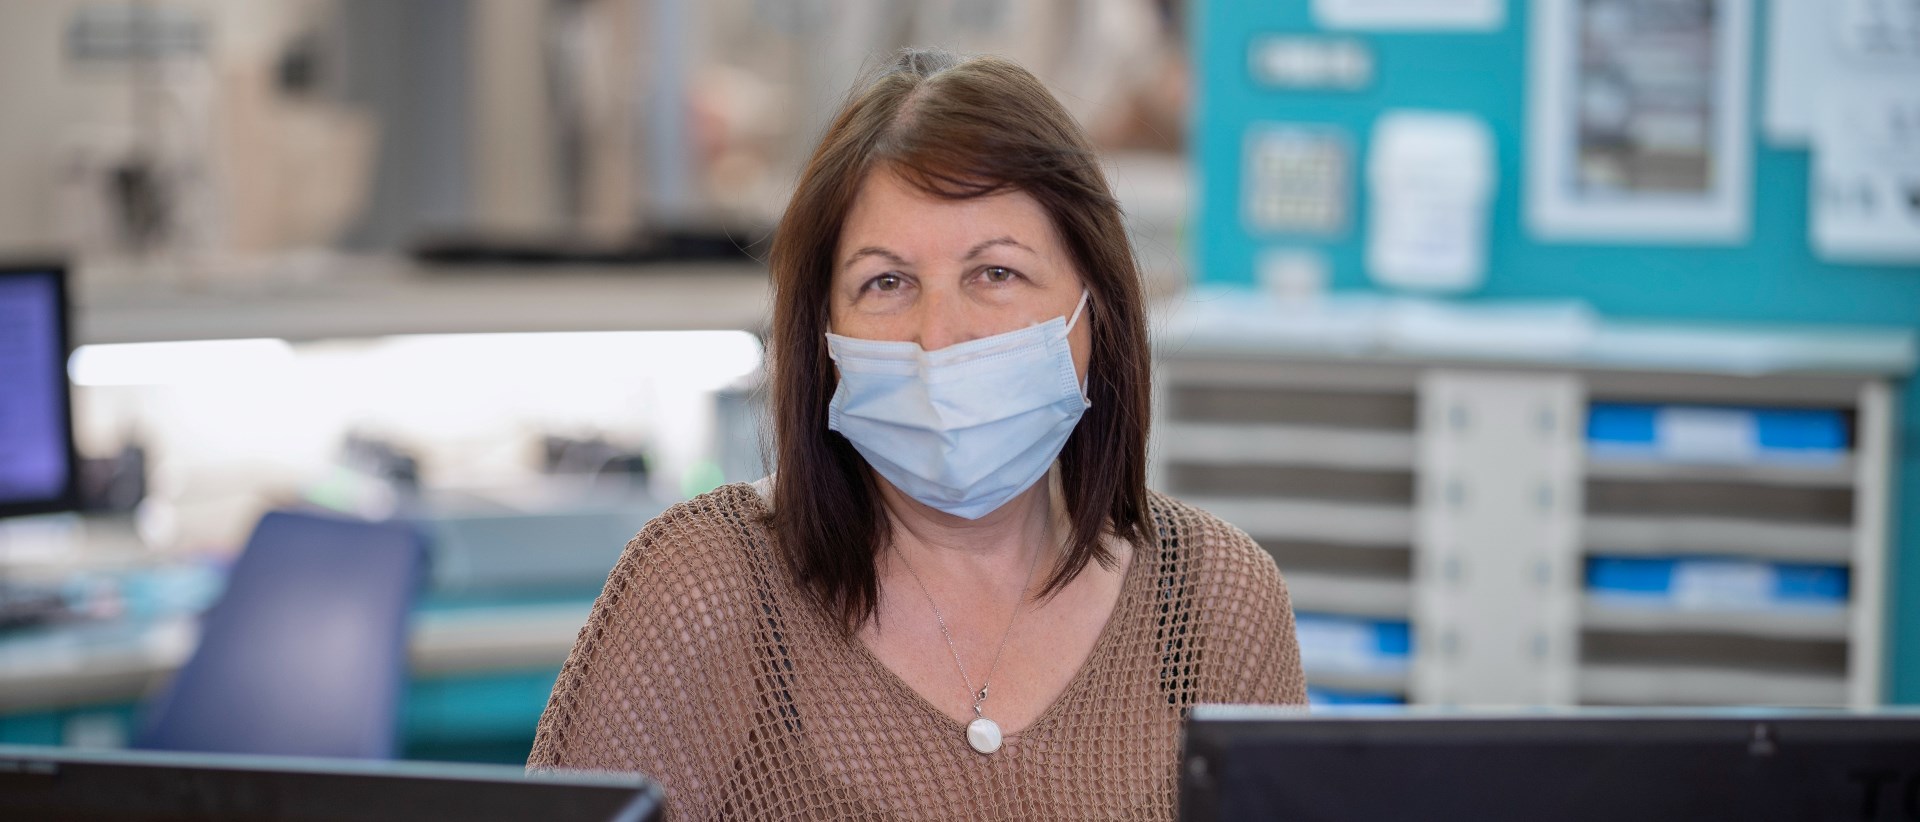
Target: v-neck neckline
1125, 603
1129, 592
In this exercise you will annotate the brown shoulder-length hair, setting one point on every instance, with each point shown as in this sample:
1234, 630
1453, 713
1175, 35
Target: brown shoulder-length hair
956, 128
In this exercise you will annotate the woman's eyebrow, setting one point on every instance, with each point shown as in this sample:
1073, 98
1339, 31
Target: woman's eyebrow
873, 251
980, 247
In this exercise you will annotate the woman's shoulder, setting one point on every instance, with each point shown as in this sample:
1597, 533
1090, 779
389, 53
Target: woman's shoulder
707, 543
735, 510
1224, 555
1237, 598
672, 624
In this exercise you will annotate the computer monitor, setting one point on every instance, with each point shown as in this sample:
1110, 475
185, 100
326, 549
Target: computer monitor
1274, 763
37, 465
68, 785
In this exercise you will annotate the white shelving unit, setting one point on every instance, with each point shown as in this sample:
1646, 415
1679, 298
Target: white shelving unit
1438, 475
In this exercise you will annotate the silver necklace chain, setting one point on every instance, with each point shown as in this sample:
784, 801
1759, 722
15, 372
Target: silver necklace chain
980, 696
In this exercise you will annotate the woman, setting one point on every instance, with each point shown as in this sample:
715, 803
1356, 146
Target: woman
956, 598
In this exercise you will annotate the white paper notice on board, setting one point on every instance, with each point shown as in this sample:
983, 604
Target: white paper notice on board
1866, 170
1456, 15
1430, 176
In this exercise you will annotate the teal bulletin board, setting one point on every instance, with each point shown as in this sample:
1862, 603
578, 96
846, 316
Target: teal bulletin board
1774, 277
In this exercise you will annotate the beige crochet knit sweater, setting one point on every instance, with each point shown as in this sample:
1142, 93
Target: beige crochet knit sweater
706, 666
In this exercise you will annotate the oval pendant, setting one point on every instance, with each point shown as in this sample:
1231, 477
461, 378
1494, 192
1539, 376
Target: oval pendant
984, 735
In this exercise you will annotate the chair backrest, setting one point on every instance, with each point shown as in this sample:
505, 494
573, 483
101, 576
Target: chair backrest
305, 653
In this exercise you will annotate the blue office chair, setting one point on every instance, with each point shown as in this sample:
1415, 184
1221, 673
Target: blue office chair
306, 651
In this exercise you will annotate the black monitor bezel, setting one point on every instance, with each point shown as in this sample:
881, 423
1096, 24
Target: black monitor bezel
1214, 732
639, 797
69, 497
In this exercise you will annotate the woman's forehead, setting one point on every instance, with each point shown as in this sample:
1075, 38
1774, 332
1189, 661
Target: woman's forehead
891, 213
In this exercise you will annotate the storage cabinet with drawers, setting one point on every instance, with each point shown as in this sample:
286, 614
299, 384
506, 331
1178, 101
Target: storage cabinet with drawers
1609, 522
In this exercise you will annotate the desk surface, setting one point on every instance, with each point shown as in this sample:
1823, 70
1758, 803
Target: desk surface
95, 663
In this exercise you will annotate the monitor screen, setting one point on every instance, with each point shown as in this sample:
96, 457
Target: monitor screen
1267, 763
134, 786
37, 466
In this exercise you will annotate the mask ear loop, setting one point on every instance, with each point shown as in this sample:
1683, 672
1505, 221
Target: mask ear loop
1081, 306
1084, 295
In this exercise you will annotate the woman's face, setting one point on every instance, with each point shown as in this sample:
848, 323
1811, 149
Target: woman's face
918, 268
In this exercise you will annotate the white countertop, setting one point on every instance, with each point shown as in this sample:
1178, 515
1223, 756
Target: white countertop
1557, 333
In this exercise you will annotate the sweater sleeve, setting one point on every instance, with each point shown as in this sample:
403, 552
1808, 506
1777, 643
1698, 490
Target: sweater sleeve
1253, 622
1278, 678
643, 688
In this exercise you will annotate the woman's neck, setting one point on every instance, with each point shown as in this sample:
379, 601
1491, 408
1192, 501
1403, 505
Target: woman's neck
1014, 537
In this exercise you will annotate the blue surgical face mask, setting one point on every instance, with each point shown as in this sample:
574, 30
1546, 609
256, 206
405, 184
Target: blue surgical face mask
966, 428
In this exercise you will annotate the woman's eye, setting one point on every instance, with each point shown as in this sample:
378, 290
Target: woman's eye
885, 282
996, 274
